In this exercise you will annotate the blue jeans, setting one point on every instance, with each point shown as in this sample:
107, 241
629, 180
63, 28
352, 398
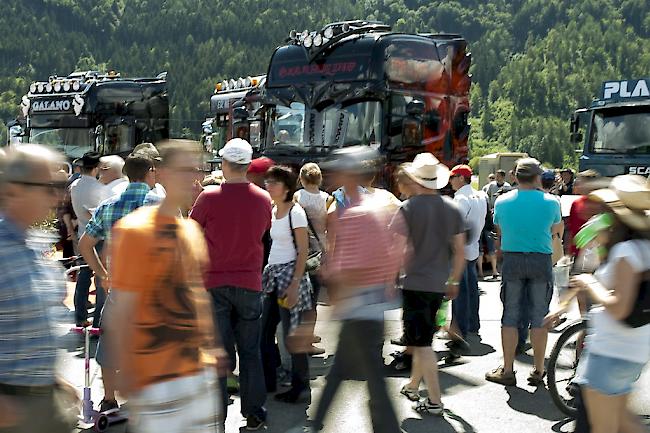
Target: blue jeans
526, 289
465, 307
81, 295
237, 315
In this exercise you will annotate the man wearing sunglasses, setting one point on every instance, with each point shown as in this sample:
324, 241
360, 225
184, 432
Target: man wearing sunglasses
30, 392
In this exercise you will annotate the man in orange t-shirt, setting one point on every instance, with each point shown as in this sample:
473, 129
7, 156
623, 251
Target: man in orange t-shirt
161, 328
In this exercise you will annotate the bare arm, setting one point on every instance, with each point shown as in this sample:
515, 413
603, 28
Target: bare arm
302, 244
87, 249
121, 313
620, 301
458, 264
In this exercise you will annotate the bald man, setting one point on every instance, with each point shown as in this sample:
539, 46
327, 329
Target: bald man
111, 175
29, 288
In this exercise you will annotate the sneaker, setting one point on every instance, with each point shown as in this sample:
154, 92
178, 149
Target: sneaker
411, 394
292, 395
536, 378
107, 405
501, 377
253, 423
427, 407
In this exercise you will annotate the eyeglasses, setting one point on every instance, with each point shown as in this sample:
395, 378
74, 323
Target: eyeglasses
268, 182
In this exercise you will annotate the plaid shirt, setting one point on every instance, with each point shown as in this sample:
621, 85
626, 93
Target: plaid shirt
115, 208
276, 278
29, 290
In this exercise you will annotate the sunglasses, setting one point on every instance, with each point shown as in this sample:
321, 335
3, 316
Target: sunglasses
53, 185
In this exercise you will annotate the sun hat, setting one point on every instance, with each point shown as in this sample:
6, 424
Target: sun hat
628, 197
237, 151
427, 171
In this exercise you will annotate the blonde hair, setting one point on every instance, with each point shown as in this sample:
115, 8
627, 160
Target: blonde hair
310, 173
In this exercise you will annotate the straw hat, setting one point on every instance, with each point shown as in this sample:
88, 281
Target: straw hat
427, 171
628, 196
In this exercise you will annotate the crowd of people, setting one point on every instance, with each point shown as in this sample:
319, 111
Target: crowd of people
198, 278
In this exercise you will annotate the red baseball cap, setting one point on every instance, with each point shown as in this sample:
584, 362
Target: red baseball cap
260, 165
461, 170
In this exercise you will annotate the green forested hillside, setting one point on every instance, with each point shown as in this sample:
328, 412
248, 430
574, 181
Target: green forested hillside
534, 61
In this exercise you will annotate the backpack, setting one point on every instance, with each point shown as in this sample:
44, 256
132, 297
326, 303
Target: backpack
640, 314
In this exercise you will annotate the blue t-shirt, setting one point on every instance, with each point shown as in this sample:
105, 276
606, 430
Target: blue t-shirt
525, 218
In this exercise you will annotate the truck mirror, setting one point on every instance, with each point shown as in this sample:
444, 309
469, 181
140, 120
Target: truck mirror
240, 113
16, 134
255, 134
575, 122
411, 132
415, 108
576, 137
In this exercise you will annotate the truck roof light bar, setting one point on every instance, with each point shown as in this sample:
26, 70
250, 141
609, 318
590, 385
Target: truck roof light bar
318, 41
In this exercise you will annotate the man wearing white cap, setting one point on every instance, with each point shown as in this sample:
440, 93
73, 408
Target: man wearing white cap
434, 226
234, 217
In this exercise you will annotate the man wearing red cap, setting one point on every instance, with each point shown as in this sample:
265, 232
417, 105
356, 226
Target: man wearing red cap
257, 170
473, 207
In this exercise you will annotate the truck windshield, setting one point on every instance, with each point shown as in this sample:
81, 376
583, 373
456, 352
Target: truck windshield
335, 126
621, 130
72, 142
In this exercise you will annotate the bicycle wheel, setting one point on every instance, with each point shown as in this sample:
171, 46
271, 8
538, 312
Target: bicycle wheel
562, 364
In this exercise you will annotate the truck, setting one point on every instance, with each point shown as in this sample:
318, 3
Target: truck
360, 83
234, 101
616, 137
94, 111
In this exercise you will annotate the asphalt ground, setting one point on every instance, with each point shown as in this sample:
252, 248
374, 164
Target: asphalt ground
471, 403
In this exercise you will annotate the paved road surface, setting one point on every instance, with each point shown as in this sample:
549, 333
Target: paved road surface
473, 405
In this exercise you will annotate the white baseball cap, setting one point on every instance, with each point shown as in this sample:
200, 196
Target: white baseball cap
237, 151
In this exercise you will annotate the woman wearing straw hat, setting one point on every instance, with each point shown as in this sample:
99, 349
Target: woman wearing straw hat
618, 344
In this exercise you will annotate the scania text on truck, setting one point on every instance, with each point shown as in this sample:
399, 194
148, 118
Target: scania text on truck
617, 129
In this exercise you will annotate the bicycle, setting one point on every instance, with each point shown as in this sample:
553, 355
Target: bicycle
562, 365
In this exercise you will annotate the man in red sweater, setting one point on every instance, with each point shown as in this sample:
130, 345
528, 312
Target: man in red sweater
234, 217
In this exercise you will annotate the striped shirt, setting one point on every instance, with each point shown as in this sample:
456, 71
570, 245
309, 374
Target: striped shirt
115, 208
29, 289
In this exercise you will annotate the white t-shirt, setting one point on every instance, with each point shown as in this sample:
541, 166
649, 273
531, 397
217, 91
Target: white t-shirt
473, 206
315, 206
283, 249
608, 336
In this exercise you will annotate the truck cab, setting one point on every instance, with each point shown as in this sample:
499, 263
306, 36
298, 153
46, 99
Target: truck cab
360, 83
617, 130
93, 111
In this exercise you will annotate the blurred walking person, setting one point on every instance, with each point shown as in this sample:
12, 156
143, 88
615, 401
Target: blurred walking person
160, 319
361, 270
435, 230
32, 398
616, 349
234, 217
139, 169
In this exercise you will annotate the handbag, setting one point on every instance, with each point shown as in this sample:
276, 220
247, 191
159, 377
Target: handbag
314, 255
640, 314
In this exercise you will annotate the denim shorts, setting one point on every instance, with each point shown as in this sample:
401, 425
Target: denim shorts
609, 376
526, 288
486, 243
